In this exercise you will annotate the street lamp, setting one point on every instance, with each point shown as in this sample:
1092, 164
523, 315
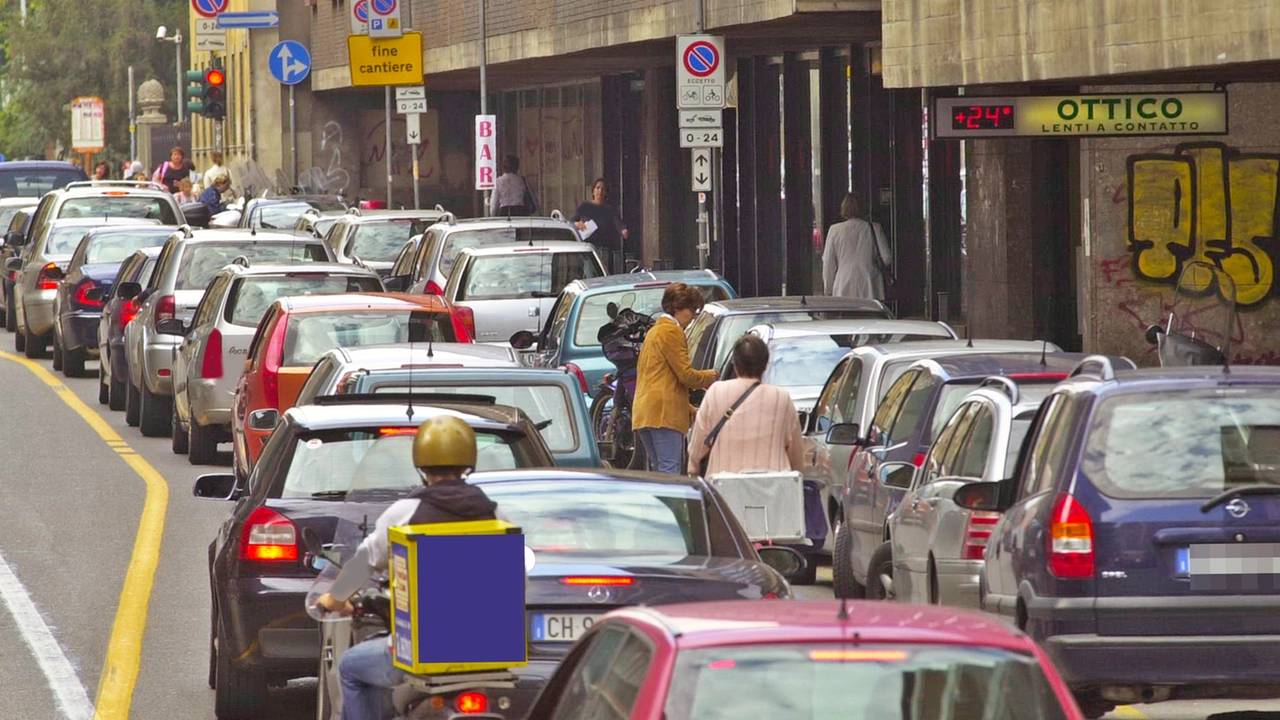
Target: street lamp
162, 34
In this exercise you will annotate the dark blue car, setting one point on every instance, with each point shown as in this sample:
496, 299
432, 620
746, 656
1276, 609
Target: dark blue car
83, 290
117, 312
1140, 537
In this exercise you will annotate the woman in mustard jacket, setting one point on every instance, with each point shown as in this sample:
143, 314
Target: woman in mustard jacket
661, 411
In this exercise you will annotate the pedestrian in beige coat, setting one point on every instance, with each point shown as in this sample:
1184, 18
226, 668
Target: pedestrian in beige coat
856, 250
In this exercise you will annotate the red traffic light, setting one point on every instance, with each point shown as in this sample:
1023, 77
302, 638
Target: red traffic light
215, 78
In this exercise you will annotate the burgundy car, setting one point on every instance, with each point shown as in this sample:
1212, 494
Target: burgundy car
804, 661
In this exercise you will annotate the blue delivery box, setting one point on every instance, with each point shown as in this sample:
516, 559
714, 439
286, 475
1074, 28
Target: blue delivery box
457, 590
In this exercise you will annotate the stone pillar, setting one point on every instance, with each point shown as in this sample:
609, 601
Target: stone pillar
999, 239
150, 100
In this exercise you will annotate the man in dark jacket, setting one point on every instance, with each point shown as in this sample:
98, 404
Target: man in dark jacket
444, 450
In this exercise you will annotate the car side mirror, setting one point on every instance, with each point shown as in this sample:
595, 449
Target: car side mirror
264, 419
898, 476
396, 283
997, 496
13, 264
1153, 334
845, 434
54, 272
93, 295
789, 563
128, 290
171, 326
215, 486
15, 239
522, 340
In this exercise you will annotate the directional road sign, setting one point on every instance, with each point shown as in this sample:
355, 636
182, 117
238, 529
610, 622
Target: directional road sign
702, 137
210, 37
249, 20
360, 17
701, 169
700, 72
384, 19
413, 128
209, 8
290, 62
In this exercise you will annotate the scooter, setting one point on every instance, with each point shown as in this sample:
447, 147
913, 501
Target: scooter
621, 339
1197, 328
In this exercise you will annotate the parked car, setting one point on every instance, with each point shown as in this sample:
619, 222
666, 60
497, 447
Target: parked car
712, 334
281, 213
34, 178
376, 237
210, 358
803, 661
442, 242
258, 576
500, 289
81, 294
1138, 534
187, 263
568, 337
908, 419
19, 218
296, 331
551, 398
118, 312
103, 200
937, 546
314, 223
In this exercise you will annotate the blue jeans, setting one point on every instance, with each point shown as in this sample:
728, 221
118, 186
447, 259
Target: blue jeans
366, 673
665, 449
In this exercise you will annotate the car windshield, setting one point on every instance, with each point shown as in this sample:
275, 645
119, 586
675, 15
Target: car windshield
525, 274
285, 214
200, 262
383, 241
310, 335
36, 182
859, 682
251, 296
732, 327
1184, 444
546, 405
127, 206
339, 461
116, 246
594, 311
456, 242
808, 360
65, 239
953, 394
578, 520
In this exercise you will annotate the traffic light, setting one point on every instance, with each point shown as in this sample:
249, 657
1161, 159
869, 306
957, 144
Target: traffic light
215, 92
195, 91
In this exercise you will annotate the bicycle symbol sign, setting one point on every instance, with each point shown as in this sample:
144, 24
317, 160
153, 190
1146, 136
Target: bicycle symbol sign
384, 7
701, 59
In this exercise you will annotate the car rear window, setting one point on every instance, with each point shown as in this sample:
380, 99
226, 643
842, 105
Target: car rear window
604, 520
807, 361
310, 335
251, 296
732, 326
594, 312
116, 247
64, 240
119, 206
954, 392
201, 261
383, 241
283, 215
1183, 444
456, 242
525, 274
36, 182
546, 405
339, 461
859, 682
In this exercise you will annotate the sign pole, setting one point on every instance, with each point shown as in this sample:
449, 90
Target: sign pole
388, 97
484, 90
293, 138
417, 203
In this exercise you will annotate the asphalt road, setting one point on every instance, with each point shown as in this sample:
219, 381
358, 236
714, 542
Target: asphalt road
72, 513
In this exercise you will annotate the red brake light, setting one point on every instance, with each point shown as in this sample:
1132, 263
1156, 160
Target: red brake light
166, 308
271, 367
82, 291
398, 431
433, 289
128, 311
468, 319
470, 703
770, 596
48, 279
268, 536
1070, 539
918, 460
211, 363
577, 372
589, 580
981, 523
1037, 376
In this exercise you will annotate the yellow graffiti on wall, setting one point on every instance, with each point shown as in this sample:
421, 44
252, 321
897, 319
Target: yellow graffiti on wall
1205, 202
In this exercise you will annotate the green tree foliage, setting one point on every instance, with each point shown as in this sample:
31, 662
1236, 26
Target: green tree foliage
72, 48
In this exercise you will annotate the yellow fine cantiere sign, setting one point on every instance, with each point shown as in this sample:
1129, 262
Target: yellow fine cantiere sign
1196, 113
385, 61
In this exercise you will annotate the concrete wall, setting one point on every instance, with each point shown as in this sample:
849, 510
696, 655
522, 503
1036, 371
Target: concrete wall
1151, 204
932, 43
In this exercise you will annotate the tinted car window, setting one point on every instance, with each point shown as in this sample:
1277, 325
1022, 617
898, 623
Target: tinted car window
383, 241
127, 206
252, 295
202, 261
285, 214
35, 182
1017, 434
114, 247
1037, 475
594, 311
1188, 444
825, 410
888, 410
732, 327
311, 335
542, 403
525, 275
913, 408
456, 242
972, 462
954, 392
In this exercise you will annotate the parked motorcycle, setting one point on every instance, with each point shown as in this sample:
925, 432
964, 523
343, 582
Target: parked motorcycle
1197, 328
621, 339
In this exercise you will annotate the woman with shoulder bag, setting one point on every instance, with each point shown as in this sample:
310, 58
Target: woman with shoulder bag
855, 261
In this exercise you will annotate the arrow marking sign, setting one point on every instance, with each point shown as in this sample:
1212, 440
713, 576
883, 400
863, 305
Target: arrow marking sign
290, 62
249, 20
701, 169
413, 128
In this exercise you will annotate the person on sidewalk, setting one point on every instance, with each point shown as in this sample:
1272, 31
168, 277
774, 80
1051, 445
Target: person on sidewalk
606, 229
856, 256
511, 194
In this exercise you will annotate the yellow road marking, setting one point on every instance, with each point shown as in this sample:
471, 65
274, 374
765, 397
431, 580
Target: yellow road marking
1129, 712
124, 649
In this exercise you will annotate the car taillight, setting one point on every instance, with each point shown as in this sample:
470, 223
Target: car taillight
597, 580
770, 596
211, 363
271, 368
577, 372
981, 523
918, 460
166, 308
468, 319
82, 291
48, 277
1070, 539
128, 311
470, 703
433, 289
268, 536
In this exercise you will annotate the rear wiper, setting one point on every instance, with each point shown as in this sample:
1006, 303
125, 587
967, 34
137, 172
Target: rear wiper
544, 424
543, 294
1220, 498
330, 495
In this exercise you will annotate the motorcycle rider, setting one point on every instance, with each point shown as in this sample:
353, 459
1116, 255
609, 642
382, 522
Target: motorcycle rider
444, 451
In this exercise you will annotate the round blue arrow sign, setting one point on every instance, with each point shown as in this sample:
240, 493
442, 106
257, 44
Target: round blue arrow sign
290, 62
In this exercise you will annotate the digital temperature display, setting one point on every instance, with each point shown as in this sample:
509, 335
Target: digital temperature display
982, 117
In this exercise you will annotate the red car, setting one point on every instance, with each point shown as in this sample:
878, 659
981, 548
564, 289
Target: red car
803, 661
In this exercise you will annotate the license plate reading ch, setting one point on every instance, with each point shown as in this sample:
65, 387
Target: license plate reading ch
559, 627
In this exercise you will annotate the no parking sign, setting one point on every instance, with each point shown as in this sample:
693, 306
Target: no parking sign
700, 71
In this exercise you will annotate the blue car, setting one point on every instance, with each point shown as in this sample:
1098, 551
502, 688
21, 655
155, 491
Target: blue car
1140, 534
83, 290
118, 312
568, 338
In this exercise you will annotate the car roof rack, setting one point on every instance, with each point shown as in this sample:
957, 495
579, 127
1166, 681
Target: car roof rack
440, 209
450, 218
557, 215
146, 184
354, 210
400, 397
241, 261
1003, 384
1098, 366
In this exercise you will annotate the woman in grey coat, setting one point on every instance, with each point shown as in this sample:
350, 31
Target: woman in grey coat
849, 260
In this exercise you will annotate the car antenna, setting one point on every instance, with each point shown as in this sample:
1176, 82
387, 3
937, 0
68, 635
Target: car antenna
804, 300
409, 410
1044, 350
968, 335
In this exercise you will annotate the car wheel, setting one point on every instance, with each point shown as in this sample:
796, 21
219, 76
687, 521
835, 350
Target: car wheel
33, 345
19, 340
155, 414
119, 393
202, 443
1093, 705
57, 354
238, 693
880, 574
934, 596
811, 556
179, 435
842, 581
10, 315
73, 363
104, 391
213, 650
132, 405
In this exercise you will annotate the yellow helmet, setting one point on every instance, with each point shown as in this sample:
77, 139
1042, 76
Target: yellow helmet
444, 442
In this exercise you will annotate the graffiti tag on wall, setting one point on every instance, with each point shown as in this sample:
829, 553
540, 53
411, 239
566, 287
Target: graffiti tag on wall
1207, 202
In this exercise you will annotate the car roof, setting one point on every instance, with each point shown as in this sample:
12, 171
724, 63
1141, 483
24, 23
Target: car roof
501, 222
121, 228
243, 234
856, 325
798, 303
604, 474
115, 187
19, 201
425, 353
742, 622
309, 268
385, 412
102, 221
933, 348
647, 277
482, 374
377, 216
985, 365
359, 301
568, 246
1179, 377
38, 165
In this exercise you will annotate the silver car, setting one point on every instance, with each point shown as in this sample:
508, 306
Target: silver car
501, 289
216, 343
37, 273
376, 237
188, 262
937, 545
338, 366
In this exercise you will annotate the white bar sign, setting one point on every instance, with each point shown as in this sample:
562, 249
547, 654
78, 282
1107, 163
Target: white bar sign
411, 99
413, 128
702, 137
486, 151
701, 169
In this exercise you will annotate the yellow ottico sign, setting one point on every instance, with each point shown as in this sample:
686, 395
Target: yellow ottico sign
1196, 113
385, 61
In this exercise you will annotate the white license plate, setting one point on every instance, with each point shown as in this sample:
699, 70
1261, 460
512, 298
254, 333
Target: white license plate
559, 627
